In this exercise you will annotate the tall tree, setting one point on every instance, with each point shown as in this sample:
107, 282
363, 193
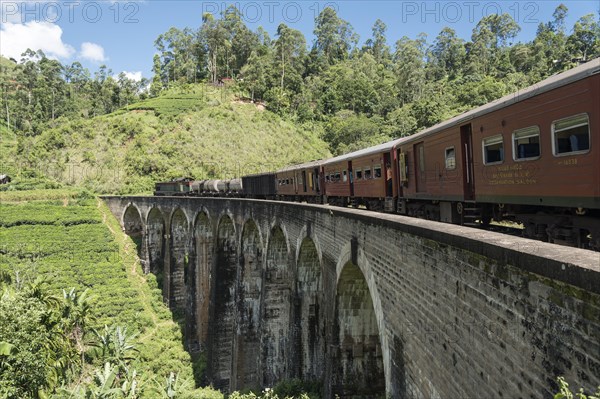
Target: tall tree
334, 36
584, 43
179, 56
409, 65
547, 53
377, 45
157, 85
290, 50
489, 40
243, 41
448, 54
214, 38
254, 76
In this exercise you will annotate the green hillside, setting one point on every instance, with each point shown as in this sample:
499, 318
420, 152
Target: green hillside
73, 241
200, 131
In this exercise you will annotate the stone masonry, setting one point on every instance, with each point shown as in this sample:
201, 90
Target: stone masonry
368, 303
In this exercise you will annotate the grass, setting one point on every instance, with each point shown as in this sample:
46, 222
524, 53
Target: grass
40, 195
172, 103
199, 131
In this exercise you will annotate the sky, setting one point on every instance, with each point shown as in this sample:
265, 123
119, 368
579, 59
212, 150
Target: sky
121, 34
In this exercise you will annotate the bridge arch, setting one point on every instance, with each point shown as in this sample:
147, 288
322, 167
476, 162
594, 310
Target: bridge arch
179, 265
249, 295
277, 309
359, 332
132, 221
156, 231
309, 322
202, 254
308, 232
223, 311
133, 226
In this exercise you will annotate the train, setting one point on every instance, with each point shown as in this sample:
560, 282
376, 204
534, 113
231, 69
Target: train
531, 157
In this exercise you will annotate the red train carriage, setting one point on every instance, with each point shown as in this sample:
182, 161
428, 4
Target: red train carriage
370, 175
337, 181
532, 156
300, 182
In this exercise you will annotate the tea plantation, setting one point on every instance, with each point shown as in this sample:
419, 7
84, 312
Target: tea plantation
76, 243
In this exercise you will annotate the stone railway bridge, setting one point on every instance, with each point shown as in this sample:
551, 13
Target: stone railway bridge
367, 303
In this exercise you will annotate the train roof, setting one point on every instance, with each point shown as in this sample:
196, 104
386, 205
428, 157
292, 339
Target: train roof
546, 85
387, 146
177, 180
311, 164
259, 174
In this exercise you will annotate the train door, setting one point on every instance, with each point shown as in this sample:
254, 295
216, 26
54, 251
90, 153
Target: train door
387, 165
295, 180
420, 177
316, 180
350, 180
304, 180
466, 138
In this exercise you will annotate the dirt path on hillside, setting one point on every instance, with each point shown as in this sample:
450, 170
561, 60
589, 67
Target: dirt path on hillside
132, 261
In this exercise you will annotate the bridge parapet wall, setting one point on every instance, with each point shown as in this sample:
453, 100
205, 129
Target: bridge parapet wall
453, 311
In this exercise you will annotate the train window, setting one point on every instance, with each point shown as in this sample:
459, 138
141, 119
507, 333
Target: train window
526, 143
368, 173
571, 134
493, 150
358, 174
344, 176
310, 180
337, 176
377, 171
450, 158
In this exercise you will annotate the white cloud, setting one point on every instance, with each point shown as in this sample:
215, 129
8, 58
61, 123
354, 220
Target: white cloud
92, 52
137, 76
16, 38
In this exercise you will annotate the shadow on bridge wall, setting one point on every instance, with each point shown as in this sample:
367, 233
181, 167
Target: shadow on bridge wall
256, 312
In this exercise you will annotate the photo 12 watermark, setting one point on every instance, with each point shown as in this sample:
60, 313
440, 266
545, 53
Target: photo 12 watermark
70, 11
454, 12
289, 12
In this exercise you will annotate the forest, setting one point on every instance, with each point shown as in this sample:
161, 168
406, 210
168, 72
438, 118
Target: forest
360, 94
